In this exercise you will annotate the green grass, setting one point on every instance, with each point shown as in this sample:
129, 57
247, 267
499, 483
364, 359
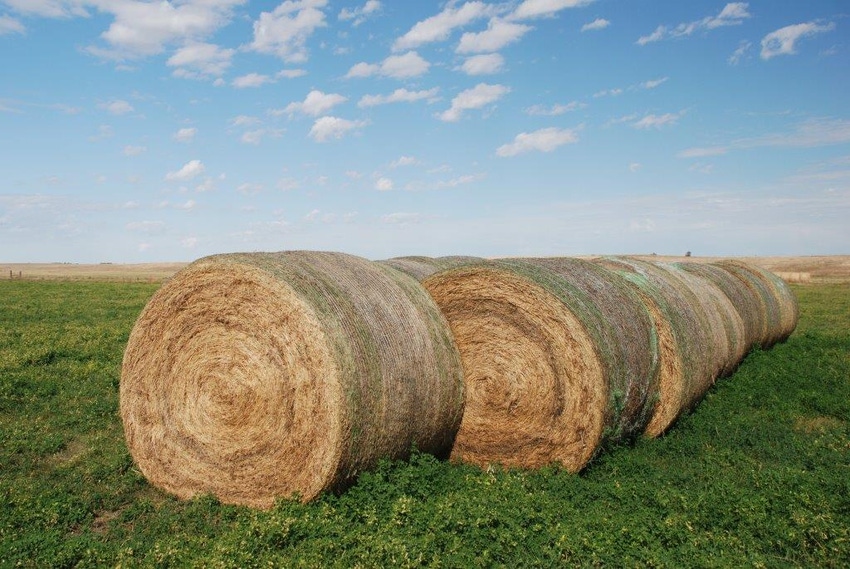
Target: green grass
758, 475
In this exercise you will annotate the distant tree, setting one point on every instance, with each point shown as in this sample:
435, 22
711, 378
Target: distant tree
688, 254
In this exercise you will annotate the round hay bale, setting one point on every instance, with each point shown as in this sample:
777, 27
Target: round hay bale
259, 376
726, 328
423, 267
743, 298
543, 380
778, 303
686, 360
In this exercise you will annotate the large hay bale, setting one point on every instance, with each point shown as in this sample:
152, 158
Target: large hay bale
743, 298
257, 376
786, 303
687, 364
767, 292
726, 328
423, 267
546, 381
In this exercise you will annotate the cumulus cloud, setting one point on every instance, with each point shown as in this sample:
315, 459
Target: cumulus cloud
316, 103
439, 27
597, 24
251, 80
185, 134
783, 41
9, 25
117, 107
411, 64
479, 96
198, 60
545, 8
398, 96
404, 161
188, 171
484, 64
498, 34
383, 184
285, 30
145, 28
543, 140
326, 128
733, 14
361, 13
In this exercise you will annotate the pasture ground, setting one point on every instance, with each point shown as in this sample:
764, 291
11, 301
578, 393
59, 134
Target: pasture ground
758, 475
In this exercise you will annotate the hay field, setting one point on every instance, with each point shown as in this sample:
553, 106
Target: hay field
757, 475
833, 268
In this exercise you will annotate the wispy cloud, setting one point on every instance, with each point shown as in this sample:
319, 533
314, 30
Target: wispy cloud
545, 8
188, 171
543, 140
657, 121
398, 96
783, 41
597, 24
9, 25
251, 80
186, 134
117, 107
360, 14
739, 53
484, 64
733, 14
554, 110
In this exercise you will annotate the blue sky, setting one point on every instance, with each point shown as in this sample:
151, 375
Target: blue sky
137, 131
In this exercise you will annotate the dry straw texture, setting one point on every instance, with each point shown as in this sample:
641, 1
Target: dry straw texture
789, 311
256, 376
687, 360
743, 297
423, 267
546, 380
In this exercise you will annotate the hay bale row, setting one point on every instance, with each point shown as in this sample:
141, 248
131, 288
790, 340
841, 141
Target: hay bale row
259, 376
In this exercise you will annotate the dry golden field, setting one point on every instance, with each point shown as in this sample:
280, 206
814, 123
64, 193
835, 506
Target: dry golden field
832, 268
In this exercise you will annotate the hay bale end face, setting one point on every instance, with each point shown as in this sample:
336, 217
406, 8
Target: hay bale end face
542, 382
258, 376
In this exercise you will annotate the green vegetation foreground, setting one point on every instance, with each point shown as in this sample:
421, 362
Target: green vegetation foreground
758, 475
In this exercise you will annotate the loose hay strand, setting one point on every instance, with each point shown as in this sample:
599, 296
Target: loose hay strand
258, 376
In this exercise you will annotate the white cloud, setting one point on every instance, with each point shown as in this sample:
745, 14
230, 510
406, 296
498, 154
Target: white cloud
189, 242
653, 83
543, 140
117, 107
249, 189
484, 64
635, 166
316, 103
312, 215
145, 28
411, 64
479, 96
134, 150
284, 32
439, 27
185, 134
360, 14
401, 217
253, 136
733, 14
9, 25
188, 171
783, 40
207, 185
597, 24
326, 128
188, 205
703, 152
48, 8
657, 121
244, 120
498, 34
608, 92
251, 80
287, 184
739, 53
291, 73
383, 184
104, 131
200, 60
554, 110
404, 161
544, 8
397, 96
459, 181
